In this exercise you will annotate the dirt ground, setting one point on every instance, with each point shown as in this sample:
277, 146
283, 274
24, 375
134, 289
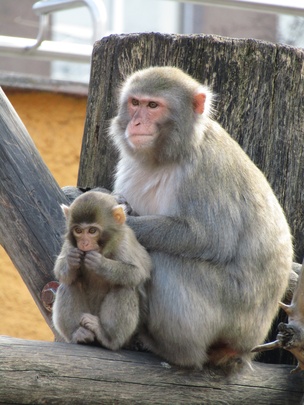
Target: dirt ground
55, 122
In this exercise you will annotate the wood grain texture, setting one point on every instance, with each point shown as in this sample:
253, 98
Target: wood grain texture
31, 221
260, 102
61, 373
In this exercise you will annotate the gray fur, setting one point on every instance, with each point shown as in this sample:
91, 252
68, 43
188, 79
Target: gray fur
101, 296
218, 238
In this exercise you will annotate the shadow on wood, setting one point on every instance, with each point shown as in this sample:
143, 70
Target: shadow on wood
61, 373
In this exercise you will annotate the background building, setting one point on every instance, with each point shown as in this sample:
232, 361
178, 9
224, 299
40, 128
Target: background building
17, 19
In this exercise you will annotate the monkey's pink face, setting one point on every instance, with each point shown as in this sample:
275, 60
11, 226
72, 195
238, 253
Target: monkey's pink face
146, 113
87, 236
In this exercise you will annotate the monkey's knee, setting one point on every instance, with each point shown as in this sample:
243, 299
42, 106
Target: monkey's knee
120, 334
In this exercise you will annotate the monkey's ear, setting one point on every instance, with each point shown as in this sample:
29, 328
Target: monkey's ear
119, 214
199, 103
65, 210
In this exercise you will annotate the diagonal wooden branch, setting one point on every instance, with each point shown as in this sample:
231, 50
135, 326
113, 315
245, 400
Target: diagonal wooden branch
31, 221
291, 335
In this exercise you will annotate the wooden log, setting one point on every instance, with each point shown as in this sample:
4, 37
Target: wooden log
61, 373
259, 88
31, 221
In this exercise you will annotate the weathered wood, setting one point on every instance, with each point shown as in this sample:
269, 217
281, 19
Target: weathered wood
260, 102
30, 216
61, 373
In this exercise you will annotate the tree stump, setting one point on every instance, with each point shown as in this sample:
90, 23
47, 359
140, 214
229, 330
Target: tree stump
259, 91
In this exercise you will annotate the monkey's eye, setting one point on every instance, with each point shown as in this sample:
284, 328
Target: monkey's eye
93, 230
152, 104
134, 101
78, 230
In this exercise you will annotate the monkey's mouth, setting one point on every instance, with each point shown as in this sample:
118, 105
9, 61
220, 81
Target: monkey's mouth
140, 140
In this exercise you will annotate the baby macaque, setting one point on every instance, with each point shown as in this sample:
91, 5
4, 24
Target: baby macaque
218, 238
102, 270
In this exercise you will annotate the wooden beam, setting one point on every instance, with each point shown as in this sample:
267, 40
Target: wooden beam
60, 373
31, 221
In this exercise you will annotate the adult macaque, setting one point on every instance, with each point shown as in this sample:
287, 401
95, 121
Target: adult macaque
218, 238
102, 270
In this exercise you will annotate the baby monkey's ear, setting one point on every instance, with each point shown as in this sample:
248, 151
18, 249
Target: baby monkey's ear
119, 214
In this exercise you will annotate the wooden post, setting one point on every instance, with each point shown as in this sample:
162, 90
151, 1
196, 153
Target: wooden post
259, 88
61, 373
31, 221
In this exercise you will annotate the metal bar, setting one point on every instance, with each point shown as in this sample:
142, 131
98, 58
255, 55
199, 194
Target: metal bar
48, 50
292, 7
96, 7
49, 6
43, 26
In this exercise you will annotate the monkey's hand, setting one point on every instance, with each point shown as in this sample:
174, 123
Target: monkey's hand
93, 261
118, 272
68, 273
75, 257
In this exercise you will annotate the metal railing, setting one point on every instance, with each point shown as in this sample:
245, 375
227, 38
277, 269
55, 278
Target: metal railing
42, 49
290, 7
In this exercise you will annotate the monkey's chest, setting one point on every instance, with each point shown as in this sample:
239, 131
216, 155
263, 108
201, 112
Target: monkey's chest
152, 200
95, 288
149, 192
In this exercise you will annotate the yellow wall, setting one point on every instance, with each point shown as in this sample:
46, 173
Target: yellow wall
55, 122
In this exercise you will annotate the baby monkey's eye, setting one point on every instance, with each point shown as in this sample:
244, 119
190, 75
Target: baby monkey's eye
78, 230
93, 230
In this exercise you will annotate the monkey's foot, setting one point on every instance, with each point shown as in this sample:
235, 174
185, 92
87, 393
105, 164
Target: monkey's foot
83, 336
91, 324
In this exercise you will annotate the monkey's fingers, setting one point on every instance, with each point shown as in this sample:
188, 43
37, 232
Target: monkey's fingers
75, 252
83, 336
93, 260
75, 257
